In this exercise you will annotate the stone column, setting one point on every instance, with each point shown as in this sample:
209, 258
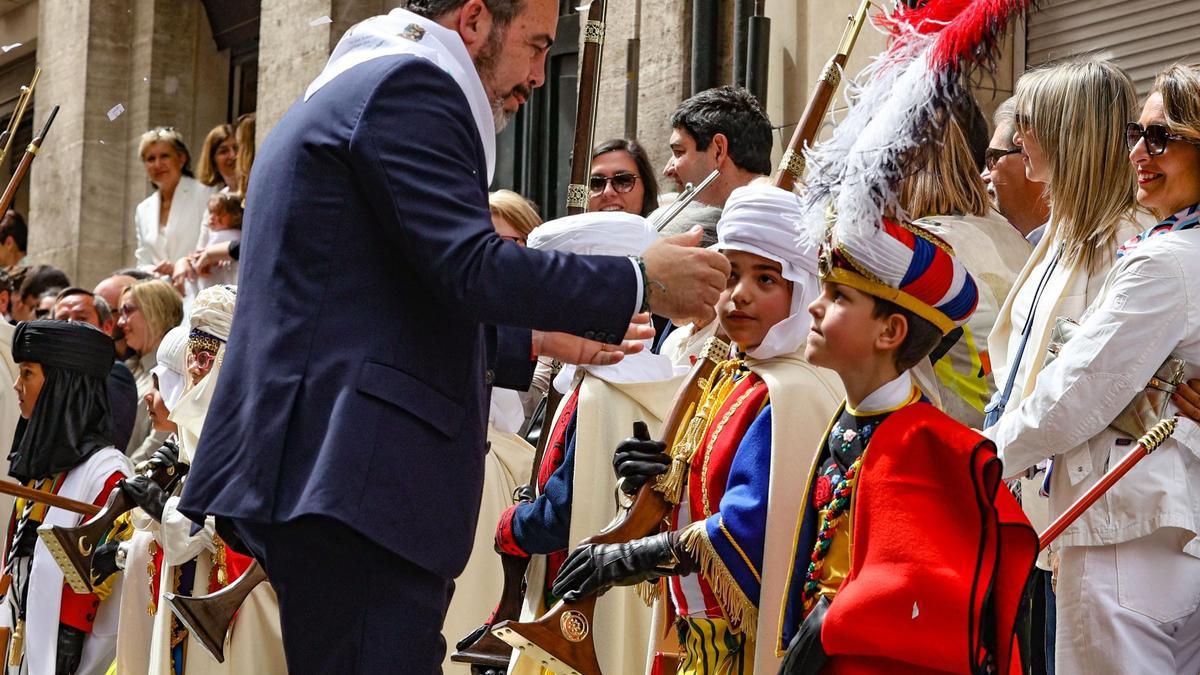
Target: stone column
155, 59
295, 40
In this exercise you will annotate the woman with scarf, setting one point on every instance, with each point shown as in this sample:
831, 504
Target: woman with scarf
1128, 583
201, 563
61, 447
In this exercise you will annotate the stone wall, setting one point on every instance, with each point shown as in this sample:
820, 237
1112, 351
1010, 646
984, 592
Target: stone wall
154, 58
292, 50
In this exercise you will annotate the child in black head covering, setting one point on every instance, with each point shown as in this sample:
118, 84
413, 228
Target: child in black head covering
61, 447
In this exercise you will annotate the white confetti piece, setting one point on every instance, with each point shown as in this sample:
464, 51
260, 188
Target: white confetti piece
320, 21
115, 112
101, 142
916, 612
146, 80
8, 48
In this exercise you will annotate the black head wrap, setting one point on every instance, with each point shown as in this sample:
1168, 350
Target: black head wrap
70, 419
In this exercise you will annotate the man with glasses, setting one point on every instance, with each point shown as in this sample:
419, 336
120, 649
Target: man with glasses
1021, 201
77, 304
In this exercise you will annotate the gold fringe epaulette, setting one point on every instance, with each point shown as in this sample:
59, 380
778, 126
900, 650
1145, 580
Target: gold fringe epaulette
714, 391
739, 611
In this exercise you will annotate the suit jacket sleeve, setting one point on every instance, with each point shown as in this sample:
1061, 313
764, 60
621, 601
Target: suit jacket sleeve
514, 362
416, 150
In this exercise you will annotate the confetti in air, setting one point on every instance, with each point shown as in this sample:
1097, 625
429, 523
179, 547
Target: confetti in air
8, 48
115, 112
320, 21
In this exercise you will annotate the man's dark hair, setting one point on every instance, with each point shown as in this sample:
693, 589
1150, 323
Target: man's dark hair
734, 112
42, 278
13, 225
644, 169
922, 336
136, 273
103, 312
503, 11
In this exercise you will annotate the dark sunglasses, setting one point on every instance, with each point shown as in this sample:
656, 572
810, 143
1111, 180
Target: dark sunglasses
1157, 137
621, 182
993, 155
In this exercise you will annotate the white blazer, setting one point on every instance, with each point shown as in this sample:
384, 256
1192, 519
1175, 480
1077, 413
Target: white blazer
179, 238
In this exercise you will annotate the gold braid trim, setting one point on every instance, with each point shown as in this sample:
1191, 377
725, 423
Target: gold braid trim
713, 393
739, 611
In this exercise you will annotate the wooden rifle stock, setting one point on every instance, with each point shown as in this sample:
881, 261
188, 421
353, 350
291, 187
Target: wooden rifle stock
10, 193
487, 649
585, 110
562, 639
74, 548
791, 166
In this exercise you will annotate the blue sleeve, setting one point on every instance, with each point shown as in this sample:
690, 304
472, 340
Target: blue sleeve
737, 531
544, 525
416, 150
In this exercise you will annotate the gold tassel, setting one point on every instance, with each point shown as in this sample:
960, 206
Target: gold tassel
739, 611
17, 650
713, 392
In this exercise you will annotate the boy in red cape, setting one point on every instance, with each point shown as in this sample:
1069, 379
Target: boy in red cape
911, 555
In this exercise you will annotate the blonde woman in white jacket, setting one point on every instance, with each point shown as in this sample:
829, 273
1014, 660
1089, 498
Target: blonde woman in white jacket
1128, 584
168, 221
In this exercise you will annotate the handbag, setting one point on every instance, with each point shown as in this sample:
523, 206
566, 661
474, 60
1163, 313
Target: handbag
1149, 405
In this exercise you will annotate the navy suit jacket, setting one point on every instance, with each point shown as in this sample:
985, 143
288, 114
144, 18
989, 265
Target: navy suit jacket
358, 371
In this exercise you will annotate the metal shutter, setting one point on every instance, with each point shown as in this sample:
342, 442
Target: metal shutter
1142, 36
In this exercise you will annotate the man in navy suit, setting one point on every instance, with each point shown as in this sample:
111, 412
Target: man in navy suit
345, 446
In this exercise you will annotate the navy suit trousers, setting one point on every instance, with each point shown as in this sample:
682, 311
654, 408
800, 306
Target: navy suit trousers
348, 605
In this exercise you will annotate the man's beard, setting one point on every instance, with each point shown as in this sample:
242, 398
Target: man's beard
485, 63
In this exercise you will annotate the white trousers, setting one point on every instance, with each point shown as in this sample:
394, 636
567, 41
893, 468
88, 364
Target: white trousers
1129, 607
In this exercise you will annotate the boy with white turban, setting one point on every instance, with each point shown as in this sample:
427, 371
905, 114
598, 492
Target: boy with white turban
727, 550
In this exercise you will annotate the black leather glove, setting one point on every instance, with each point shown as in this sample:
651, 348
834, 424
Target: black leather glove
487, 670
596, 567
70, 649
639, 459
523, 494
104, 561
145, 493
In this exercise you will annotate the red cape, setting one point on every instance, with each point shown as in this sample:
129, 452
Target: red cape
940, 555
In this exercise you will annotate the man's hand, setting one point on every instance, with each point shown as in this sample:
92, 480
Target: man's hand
583, 352
684, 282
1187, 397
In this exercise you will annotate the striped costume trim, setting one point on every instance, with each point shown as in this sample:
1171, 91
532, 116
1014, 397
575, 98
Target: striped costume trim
712, 647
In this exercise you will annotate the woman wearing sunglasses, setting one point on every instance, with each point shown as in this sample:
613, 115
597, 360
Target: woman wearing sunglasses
1070, 125
1128, 583
622, 178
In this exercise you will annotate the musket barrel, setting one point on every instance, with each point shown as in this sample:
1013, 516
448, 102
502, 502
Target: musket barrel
791, 166
10, 192
585, 111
